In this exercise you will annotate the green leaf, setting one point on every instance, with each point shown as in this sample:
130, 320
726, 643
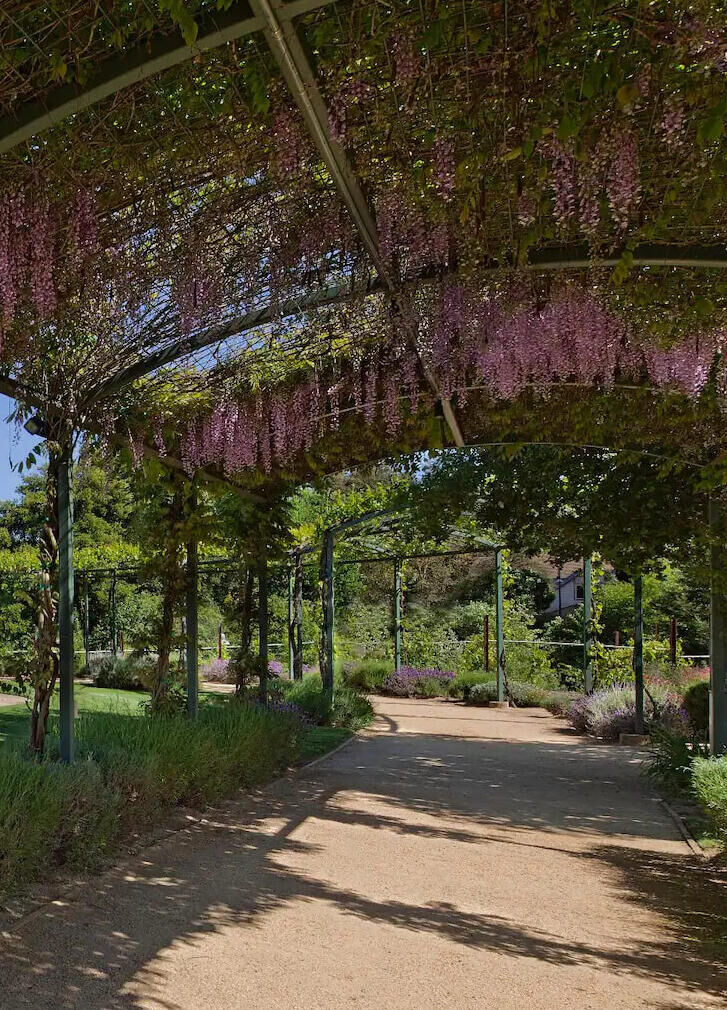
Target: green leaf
569, 127
711, 127
627, 94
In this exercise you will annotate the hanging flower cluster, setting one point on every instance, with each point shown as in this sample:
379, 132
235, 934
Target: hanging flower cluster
574, 338
351, 92
38, 241
408, 239
468, 340
612, 169
273, 427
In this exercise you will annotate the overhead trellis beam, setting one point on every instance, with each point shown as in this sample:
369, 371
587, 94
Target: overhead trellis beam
563, 258
282, 39
139, 64
265, 314
651, 254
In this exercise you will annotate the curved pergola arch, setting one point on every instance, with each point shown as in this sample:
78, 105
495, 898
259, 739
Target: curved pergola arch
276, 32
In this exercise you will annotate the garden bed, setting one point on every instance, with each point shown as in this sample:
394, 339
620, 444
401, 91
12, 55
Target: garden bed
133, 770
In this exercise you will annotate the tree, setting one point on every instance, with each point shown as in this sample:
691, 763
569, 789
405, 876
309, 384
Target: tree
632, 509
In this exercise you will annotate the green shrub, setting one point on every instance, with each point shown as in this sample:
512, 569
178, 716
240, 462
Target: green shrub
366, 674
350, 708
559, 702
124, 673
522, 694
709, 779
464, 682
670, 763
130, 771
696, 705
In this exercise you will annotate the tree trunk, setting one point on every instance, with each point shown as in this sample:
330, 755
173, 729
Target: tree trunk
247, 585
45, 667
298, 617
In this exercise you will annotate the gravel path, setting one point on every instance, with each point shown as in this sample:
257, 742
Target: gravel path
450, 857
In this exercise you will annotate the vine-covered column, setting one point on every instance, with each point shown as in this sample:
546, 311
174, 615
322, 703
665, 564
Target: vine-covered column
639, 654
398, 595
192, 613
262, 589
291, 622
718, 630
500, 626
327, 600
64, 470
587, 624
113, 629
298, 617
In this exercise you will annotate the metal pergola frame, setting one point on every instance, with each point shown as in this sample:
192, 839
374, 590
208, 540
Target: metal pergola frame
275, 19
327, 568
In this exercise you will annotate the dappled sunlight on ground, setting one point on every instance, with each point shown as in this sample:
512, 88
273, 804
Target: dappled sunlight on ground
448, 857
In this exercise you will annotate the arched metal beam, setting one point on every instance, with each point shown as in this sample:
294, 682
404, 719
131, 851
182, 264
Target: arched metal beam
649, 254
137, 65
318, 298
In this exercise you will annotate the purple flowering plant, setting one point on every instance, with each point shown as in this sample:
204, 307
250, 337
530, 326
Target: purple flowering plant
411, 681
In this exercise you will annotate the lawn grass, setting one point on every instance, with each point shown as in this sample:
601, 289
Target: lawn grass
14, 719
321, 739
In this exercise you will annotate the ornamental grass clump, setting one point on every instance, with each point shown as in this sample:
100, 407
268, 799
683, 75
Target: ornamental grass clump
412, 682
709, 780
350, 708
521, 694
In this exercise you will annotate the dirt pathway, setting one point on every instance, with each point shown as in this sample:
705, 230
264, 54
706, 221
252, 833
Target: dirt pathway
450, 857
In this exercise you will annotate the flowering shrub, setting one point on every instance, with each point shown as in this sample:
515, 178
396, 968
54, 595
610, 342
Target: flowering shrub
275, 668
218, 671
411, 682
608, 713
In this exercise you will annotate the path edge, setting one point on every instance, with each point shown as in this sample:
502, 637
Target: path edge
684, 831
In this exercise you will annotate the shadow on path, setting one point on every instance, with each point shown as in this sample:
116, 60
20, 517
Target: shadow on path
239, 866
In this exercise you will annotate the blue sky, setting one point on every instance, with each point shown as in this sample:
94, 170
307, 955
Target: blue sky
14, 447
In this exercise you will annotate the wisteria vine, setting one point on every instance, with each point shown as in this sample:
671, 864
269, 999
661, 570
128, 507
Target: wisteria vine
471, 343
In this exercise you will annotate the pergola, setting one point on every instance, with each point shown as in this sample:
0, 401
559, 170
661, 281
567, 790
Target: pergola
262, 239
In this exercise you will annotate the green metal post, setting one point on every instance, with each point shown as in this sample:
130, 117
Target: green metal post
192, 622
486, 641
718, 632
291, 625
298, 617
397, 615
86, 622
328, 612
639, 654
65, 600
262, 588
113, 614
499, 628
587, 624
